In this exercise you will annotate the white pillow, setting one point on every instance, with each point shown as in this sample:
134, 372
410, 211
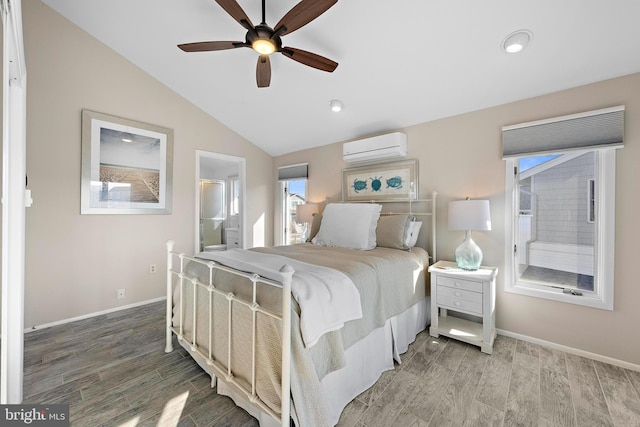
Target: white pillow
349, 225
412, 233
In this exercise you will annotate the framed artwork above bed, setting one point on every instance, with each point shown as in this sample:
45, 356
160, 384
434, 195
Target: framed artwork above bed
394, 181
126, 166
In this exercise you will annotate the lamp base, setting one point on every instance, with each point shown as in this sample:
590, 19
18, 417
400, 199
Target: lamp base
468, 254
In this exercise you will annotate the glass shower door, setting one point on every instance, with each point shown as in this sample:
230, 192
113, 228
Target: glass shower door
212, 212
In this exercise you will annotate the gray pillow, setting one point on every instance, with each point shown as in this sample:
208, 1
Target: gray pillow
315, 226
391, 231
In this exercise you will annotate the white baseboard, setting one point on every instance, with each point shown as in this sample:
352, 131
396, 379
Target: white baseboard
98, 313
571, 350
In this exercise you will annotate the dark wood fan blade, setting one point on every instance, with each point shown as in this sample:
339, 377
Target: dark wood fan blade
311, 59
301, 14
209, 46
263, 71
233, 8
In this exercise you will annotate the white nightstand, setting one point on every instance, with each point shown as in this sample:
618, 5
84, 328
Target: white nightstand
470, 292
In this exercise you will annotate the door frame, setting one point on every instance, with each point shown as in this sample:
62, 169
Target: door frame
242, 176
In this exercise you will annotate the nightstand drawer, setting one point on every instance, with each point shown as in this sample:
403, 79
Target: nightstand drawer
452, 282
452, 302
459, 294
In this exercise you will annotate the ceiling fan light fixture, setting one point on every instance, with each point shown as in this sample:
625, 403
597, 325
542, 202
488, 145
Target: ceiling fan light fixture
336, 105
264, 46
265, 40
517, 41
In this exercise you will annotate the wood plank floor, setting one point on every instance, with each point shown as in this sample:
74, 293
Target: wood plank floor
113, 371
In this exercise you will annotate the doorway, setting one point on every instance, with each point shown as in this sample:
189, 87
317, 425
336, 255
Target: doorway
220, 205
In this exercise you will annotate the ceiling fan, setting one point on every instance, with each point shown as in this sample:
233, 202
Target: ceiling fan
266, 40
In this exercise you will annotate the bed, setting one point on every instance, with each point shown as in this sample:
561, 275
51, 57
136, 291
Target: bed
296, 332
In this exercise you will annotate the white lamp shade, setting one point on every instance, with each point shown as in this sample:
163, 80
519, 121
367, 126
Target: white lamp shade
469, 215
304, 213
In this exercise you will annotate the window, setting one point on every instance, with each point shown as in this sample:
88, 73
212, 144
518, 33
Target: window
560, 214
293, 185
295, 194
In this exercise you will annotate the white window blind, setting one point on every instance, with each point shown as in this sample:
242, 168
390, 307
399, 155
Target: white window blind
590, 130
299, 171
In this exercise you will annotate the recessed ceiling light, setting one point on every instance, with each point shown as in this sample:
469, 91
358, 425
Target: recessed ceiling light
517, 41
336, 105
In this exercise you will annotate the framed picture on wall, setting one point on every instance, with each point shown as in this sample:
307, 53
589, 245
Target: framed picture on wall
127, 166
381, 182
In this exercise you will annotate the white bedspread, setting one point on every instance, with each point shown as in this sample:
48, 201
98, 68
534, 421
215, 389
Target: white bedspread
327, 297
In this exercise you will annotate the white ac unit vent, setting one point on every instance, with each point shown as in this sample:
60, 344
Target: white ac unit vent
389, 146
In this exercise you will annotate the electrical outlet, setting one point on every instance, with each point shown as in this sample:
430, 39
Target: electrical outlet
152, 268
120, 293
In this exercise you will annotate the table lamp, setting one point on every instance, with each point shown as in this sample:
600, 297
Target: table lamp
469, 215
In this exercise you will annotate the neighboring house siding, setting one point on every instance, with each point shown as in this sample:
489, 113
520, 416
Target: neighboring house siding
562, 202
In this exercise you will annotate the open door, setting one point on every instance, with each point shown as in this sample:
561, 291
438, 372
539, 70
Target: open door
14, 199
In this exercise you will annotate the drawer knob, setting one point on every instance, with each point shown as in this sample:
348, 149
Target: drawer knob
456, 303
456, 284
457, 294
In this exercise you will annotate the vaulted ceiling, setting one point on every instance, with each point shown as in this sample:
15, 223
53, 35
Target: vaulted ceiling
400, 62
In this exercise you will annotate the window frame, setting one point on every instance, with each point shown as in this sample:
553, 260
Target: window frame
604, 247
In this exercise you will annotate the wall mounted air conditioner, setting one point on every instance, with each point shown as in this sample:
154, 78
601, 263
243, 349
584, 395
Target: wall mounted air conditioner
383, 147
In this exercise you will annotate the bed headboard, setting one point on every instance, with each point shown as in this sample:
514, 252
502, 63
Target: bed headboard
421, 209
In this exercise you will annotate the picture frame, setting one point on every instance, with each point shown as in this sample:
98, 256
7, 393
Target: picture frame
392, 181
127, 166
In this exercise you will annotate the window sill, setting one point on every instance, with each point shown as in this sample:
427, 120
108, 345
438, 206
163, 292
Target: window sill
588, 300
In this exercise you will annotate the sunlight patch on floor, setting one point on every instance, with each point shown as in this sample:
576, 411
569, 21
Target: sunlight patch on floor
133, 422
172, 410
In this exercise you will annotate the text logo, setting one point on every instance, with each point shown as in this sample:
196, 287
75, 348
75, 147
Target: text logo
34, 415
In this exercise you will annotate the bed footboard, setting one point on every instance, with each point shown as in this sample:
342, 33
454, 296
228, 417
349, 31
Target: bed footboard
221, 369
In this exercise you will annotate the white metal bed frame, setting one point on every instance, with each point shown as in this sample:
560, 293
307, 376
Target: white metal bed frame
216, 368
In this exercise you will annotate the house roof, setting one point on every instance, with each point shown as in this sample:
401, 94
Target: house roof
400, 63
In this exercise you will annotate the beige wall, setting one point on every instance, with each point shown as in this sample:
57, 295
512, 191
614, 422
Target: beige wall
75, 263
461, 156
